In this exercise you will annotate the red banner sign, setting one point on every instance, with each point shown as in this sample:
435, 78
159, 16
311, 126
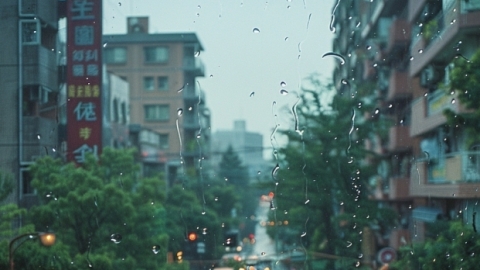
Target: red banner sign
84, 79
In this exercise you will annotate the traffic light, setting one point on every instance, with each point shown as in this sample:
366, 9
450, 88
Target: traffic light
231, 239
192, 237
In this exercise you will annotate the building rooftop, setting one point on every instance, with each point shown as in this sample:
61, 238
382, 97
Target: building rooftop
153, 38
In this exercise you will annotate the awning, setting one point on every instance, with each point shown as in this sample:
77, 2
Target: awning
427, 214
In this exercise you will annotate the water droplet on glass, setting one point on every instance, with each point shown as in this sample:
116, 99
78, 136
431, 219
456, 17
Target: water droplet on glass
303, 234
369, 47
216, 199
275, 171
336, 55
156, 249
283, 84
349, 244
119, 4
453, 101
252, 94
377, 111
345, 82
286, 38
411, 58
284, 92
259, 172
38, 136
420, 51
116, 238
180, 111
203, 212
263, 253
256, 30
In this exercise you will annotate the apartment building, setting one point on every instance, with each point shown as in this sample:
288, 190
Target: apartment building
29, 89
403, 51
164, 94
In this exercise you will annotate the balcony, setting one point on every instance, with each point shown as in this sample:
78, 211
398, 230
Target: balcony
194, 65
191, 121
400, 86
399, 188
40, 67
39, 138
454, 174
414, 9
399, 139
399, 36
454, 23
46, 10
427, 112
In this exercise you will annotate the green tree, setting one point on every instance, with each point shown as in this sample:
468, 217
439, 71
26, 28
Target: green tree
321, 185
454, 248
465, 81
103, 212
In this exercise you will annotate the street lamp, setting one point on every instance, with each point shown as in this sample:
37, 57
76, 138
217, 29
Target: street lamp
47, 239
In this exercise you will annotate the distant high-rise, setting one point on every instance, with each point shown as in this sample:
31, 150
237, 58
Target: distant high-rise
164, 96
248, 146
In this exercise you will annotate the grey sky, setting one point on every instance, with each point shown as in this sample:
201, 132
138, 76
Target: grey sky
239, 61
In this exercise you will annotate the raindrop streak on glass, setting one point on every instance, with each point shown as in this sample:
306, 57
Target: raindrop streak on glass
116, 238
180, 112
350, 132
295, 117
275, 172
256, 30
308, 21
156, 249
332, 20
336, 55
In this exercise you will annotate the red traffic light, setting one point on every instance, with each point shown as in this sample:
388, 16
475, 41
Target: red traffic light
192, 237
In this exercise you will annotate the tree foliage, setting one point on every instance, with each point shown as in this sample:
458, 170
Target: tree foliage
455, 248
102, 212
465, 82
321, 186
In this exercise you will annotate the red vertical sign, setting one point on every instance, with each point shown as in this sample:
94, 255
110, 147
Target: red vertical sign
84, 79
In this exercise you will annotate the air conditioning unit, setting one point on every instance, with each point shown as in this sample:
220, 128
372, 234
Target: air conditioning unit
39, 94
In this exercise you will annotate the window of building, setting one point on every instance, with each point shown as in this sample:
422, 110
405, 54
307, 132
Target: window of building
30, 32
163, 141
123, 113
157, 54
157, 112
163, 83
115, 55
115, 111
27, 183
148, 83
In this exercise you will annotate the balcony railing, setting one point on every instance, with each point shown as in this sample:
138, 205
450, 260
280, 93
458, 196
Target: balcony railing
453, 167
45, 10
194, 65
40, 66
40, 137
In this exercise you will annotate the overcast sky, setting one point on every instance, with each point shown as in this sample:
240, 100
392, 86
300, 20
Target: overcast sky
292, 36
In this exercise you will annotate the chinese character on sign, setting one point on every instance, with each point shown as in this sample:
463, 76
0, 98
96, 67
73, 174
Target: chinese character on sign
77, 70
82, 10
81, 152
91, 55
92, 70
85, 111
77, 55
85, 133
84, 35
